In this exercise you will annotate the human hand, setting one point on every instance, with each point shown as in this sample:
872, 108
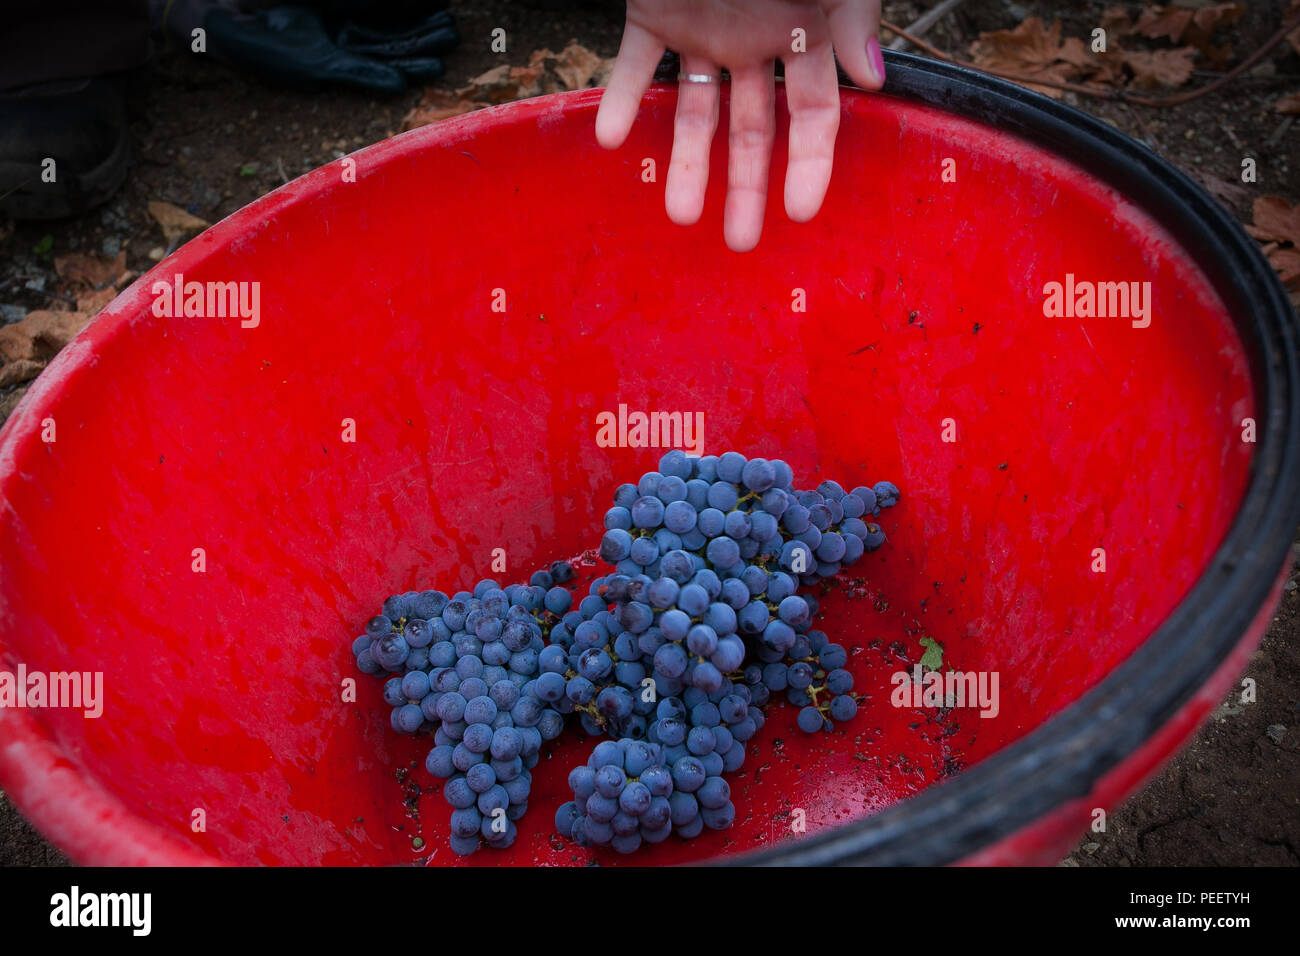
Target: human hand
746, 37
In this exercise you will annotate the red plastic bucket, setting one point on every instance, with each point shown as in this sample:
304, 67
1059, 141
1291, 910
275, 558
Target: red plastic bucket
224, 735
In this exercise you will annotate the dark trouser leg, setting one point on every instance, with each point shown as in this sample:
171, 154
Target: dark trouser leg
63, 140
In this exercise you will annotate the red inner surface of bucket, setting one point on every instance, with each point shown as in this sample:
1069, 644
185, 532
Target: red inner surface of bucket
476, 430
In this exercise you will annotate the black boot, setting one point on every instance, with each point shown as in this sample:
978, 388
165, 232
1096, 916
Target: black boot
64, 148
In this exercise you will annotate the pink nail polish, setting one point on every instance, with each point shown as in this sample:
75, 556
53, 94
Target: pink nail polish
877, 59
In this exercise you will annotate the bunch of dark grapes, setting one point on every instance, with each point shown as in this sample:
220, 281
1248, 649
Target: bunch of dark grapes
672, 656
639, 791
709, 555
458, 666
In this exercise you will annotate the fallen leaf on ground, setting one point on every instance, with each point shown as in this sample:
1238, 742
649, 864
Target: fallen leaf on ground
1076, 54
933, 656
39, 336
1116, 22
1164, 22
503, 83
1286, 262
1276, 220
96, 272
10, 401
174, 220
575, 67
1227, 192
1195, 27
1153, 68
578, 68
1288, 104
23, 370
437, 105
1030, 46
92, 302
1032, 50
1035, 50
1277, 223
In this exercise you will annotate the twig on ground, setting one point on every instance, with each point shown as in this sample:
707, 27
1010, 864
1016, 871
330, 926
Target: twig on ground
55, 295
1275, 137
1147, 135
924, 22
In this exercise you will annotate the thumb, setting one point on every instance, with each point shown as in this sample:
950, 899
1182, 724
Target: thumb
855, 34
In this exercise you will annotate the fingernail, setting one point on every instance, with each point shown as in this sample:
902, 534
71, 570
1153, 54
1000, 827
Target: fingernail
877, 58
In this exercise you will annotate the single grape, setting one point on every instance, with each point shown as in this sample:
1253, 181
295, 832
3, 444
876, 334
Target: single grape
839, 681
713, 793
887, 495
565, 817
615, 545
758, 474
688, 774
731, 466
647, 512
843, 707
833, 657
810, 720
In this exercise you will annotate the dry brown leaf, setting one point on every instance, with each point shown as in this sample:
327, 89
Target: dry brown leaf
1276, 220
1160, 67
574, 67
1108, 69
1181, 25
1288, 104
1204, 23
488, 82
504, 83
1294, 36
23, 370
1191, 27
93, 302
578, 68
1287, 264
437, 105
9, 402
1074, 52
1116, 22
40, 335
1031, 49
527, 81
1229, 193
93, 271
1277, 223
174, 220
1208, 19
1164, 23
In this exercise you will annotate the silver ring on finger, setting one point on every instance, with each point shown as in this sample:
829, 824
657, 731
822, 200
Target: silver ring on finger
697, 78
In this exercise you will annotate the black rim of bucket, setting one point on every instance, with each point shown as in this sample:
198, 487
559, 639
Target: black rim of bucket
1062, 759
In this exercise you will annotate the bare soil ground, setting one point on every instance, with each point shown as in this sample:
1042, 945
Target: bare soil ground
211, 141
